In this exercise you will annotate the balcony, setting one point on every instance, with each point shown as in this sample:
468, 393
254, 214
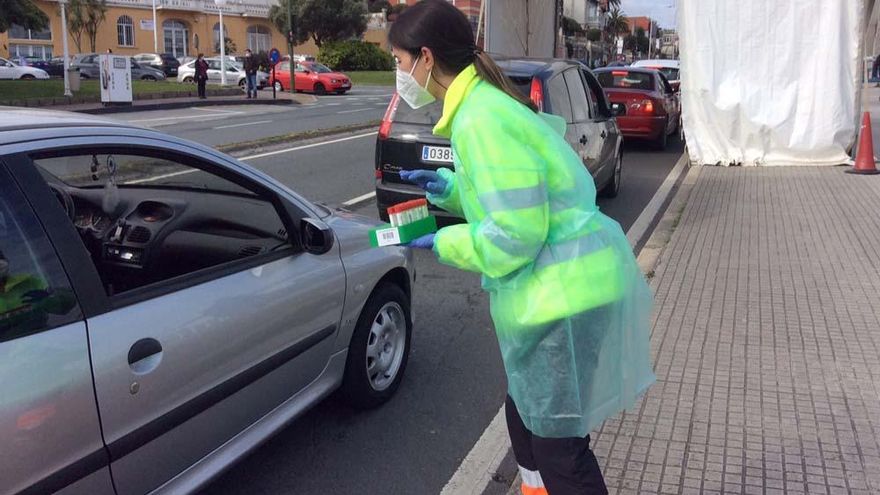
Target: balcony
233, 7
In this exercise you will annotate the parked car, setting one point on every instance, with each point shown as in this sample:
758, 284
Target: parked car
54, 66
164, 62
311, 77
154, 333
647, 106
234, 73
561, 87
299, 58
11, 70
669, 68
89, 68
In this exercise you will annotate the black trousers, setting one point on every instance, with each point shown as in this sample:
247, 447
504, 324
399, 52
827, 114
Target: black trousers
201, 82
567, 466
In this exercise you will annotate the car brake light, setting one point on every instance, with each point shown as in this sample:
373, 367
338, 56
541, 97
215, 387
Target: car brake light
648, 106
619, 73
387, 120
537, 93
378, 174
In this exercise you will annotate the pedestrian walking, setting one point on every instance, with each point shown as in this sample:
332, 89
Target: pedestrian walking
250, 72
201, 74
570, 306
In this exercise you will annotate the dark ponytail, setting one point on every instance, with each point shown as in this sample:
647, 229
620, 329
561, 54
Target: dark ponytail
438, 25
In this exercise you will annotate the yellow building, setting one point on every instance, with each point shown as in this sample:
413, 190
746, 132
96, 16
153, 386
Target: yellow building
183, 28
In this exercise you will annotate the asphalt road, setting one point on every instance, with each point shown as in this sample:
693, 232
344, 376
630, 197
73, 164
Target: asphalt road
455, 381
232, 124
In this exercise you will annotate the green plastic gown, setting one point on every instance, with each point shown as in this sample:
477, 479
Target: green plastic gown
570, 305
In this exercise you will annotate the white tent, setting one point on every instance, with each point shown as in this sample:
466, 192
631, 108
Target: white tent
770, 83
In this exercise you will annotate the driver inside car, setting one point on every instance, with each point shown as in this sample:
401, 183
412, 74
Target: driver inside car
26, 301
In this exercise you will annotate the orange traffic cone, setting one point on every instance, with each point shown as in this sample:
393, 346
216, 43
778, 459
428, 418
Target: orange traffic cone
865, 157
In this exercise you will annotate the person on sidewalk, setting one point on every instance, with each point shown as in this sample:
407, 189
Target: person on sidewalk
570, 306
250, 72
201, 74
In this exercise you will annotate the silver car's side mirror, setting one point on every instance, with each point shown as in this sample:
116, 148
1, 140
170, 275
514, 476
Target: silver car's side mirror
316, 236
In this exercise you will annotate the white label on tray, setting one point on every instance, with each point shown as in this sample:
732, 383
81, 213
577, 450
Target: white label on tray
388, 237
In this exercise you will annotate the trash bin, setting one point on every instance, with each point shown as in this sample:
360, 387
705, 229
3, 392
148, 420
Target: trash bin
73, 78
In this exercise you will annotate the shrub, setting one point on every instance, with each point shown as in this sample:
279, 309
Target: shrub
354, 55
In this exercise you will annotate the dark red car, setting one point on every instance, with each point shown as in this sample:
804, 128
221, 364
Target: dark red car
645, 103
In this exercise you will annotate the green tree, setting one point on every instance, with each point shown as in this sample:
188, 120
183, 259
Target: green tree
377, 5
321, 20
571, 27
21, 12
642, 41
617, 24
85, 16
594, 35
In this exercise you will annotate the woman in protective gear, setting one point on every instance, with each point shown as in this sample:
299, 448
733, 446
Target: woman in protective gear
571, 308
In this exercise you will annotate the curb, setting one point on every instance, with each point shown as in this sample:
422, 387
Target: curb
181, 104
295, 136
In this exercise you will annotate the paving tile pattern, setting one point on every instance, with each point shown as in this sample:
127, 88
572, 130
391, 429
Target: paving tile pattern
766, 342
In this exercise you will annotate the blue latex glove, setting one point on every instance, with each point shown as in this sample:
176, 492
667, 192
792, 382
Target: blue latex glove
424, 242
426, 179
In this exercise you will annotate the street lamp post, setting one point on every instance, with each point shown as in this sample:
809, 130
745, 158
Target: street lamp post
155, 30
67, 91
220, 4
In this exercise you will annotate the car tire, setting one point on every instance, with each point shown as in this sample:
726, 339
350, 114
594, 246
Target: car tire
27, 77
340, 93
612, 187
242, 83
372, 376
662, 141
188, 80
278, 86
320, 89
148, 78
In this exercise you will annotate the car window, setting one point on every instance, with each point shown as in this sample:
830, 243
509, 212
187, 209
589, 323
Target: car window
214, 64
580, 106
625, 79
35, 294
283, 66
598, 99
300, 68
560, 103
149, 218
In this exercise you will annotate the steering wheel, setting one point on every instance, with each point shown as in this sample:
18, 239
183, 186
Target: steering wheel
66, 200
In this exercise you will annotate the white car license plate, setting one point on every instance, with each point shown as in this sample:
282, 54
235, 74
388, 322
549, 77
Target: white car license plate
442, 154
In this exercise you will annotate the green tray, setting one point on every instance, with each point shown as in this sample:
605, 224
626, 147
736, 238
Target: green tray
386, 235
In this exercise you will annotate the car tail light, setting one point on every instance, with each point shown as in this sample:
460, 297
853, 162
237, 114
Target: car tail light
537, 93
648, 106
387, 120
645, 106
619, 73
378, 174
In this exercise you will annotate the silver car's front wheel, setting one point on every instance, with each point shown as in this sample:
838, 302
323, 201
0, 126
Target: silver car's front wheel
379, 348
386, 345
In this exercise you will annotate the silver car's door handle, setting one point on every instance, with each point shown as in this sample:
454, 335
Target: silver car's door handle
143, 349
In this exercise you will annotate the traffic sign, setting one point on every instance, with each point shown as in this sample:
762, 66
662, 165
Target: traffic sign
274, 56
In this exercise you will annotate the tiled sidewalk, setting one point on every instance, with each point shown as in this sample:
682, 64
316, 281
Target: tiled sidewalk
766, 342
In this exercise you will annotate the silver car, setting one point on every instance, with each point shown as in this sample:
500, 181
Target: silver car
166, 308
234, 73
89, 68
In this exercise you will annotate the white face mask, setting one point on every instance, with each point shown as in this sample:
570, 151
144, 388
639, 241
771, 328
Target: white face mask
411, 91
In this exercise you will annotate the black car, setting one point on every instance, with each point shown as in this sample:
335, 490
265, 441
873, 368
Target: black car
54, 66
164, 62
561, 87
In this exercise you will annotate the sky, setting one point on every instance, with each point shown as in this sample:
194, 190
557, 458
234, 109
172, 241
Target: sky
661, 10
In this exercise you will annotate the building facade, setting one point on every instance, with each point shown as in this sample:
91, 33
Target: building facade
587, 13
183, 28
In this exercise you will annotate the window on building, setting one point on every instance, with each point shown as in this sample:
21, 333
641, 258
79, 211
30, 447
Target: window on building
259, 39
217, 35
125, 31
20, 33
176, 36
42, 52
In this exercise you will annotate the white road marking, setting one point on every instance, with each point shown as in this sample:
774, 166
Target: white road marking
184, 117
333, 104
313, 145
356, 110
252, 157
359, 199
476, 470
242, 125
215, 110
